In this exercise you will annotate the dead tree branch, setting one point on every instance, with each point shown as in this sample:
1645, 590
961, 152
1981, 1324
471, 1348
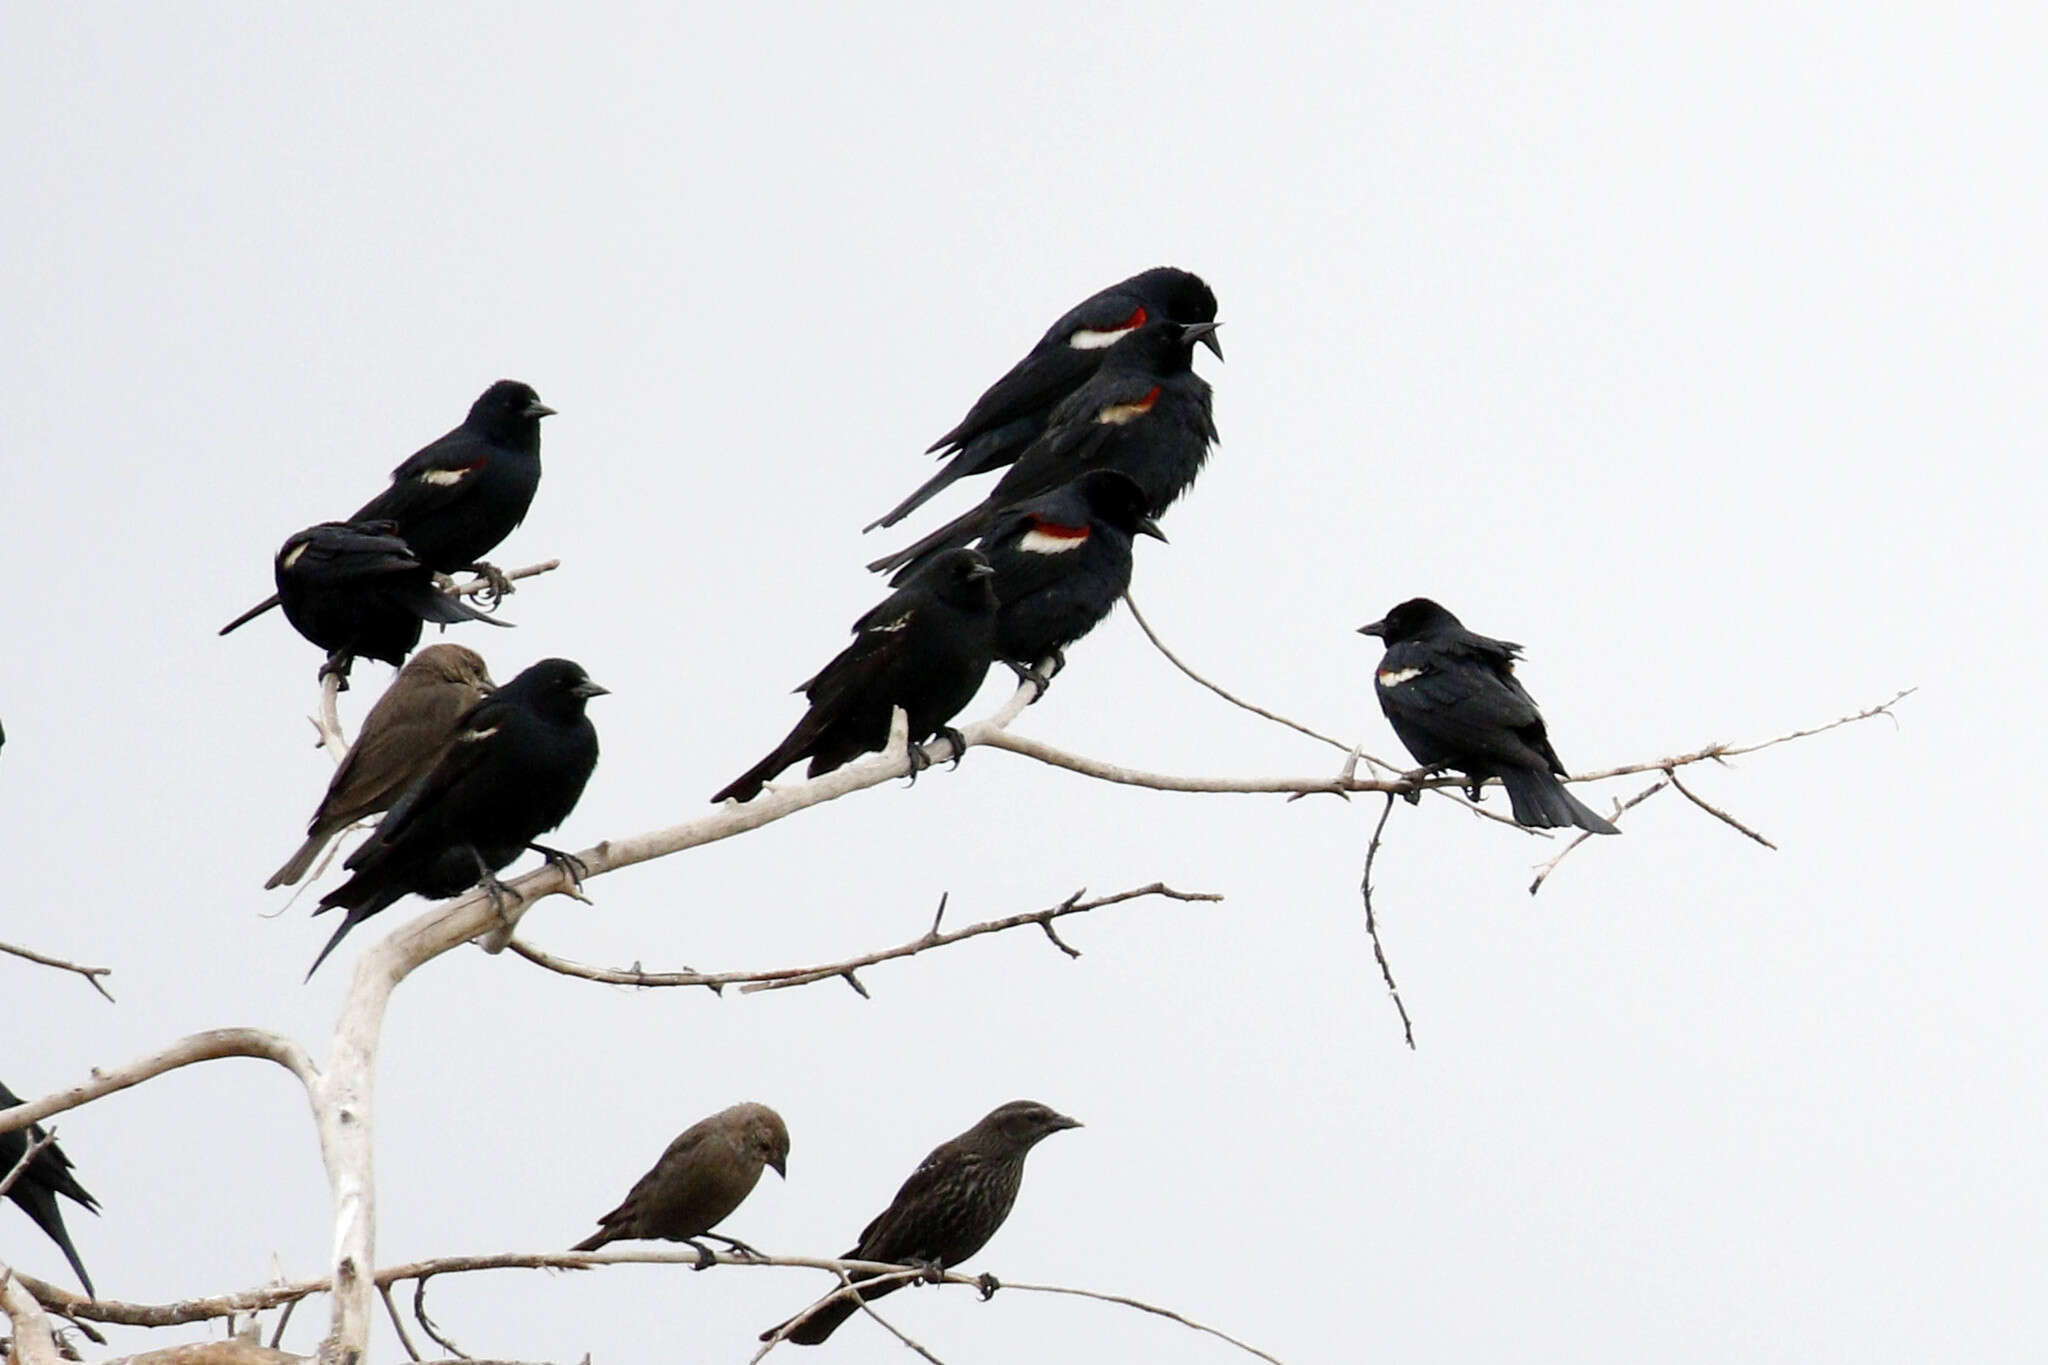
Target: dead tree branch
782, 978
92, 975
1372, 925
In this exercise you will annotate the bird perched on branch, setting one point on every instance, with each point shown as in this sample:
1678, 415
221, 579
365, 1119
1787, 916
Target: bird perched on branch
38, 1186
1013, 412
402, 738
1452, 697
358, 589
703, 1176
1062, 560
458, 496
514, 770
925, 648
1144, 413
952, 1204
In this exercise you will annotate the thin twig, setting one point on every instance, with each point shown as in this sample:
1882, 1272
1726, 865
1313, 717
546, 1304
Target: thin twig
1372, 926
1717, 812
1544, 870
1339, 745
405, 1340
282, 1319
785, 977
47, 1138
91, 974
419, 1310
1144, 1307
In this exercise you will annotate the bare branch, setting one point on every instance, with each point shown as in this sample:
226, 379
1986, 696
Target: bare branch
1717, 752
781, 978
398, 1323
1143, 1307
479, 586
199, 1047
91, 974
1717, 812
1544, 870
1372, 926
1339, 745
33, 1343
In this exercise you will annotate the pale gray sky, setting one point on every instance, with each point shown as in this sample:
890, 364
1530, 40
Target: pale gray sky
1696, 347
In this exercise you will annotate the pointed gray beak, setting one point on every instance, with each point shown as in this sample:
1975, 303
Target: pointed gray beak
1061, 1121
587, 688
780, 1169
1378, 628
1149, 527
538, 409
1205, 332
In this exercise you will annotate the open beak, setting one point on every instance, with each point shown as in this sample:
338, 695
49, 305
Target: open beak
1205, 332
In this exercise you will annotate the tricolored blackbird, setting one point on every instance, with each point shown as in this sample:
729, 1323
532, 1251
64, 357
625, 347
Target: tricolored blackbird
515, 769
402, 738
948, 1209
357, 589
703, 1176
457, 497
1062, 560
1453, 699
1012, 413
925, 648
1144, 413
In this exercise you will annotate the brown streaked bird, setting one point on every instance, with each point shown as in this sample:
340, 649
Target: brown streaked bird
952, 1204
703, 1176
402, 739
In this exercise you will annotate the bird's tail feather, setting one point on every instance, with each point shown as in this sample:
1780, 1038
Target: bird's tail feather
445, 608
295, 866
908, 560
926, 491
818, 1326
1541, 802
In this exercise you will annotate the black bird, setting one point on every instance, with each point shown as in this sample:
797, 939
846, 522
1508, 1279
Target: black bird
1061, 562
1144, 413
1453, 699
1010, 416
703, 1176
514, 771
952, 1204
457, 497
402, 738
36, 1191
925, 648
358, 589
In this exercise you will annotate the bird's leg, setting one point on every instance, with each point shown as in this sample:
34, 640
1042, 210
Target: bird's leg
988, 1285
337, 666
573, 866
706, 1257
957, 740
1059, 663
497, 587
1039, 681
934, 1273
1413, 796
493, 888
739, 1248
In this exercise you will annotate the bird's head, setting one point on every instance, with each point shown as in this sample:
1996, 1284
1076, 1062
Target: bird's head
1412, 620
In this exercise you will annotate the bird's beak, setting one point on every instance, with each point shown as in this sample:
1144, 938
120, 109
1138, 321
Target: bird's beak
538, 409
981, 571
1378, 628
1149, 527
587, 688
1061, 1121
780, 1168
1205, 332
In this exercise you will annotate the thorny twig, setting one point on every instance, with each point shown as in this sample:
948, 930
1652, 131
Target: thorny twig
1372, 927
91, 974
783, 978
